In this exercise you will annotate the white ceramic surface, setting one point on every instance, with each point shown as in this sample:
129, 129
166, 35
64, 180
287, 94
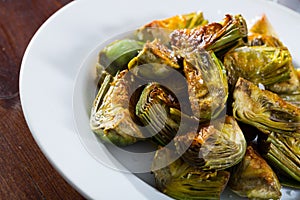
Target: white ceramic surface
292, 4
57, 83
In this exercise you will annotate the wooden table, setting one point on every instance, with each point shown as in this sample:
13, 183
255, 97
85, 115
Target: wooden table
24, 171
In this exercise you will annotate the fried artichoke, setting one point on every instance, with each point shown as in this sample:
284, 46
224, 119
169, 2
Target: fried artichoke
153, 109
264, 110
157, 63
182, 181
207, 84
115, 56
215, 147
162, 28
259, 64
154, 56
254, 178
263, 34
168, 83
278, 121
218, 37
110, 117
159, 111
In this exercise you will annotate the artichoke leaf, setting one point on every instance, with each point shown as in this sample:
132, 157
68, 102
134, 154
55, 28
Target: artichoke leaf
183, 181
153, 109
152, 53
289, 89
155, 62
283, 152
254, 178
115, 56
214, 147
110, 116
159, 110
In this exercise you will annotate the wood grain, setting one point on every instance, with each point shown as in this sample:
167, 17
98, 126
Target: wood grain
25, 173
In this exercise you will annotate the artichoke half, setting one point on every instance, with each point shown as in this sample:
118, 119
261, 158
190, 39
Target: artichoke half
215, 147
218, 37
110, 116
207, 84
183, 181
259, 64
263, 34
278, 121
264, 109
153, 109
159, 110
254, 178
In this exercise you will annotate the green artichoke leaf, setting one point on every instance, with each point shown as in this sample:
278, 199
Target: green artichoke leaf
154, 52
207, 84
264, 110
259, 64
180, 180
157, 63
110, 117
159, 110
283, 152
153, 109
254, 178
115, 56
160, 29
215, 146
262, 34
218, 37
288, 89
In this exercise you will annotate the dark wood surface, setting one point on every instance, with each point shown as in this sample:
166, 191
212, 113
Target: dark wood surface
25, 173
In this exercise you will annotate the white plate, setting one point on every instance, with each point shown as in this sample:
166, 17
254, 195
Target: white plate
67, 43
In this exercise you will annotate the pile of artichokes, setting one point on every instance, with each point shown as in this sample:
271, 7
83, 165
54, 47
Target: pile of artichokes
224, 96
